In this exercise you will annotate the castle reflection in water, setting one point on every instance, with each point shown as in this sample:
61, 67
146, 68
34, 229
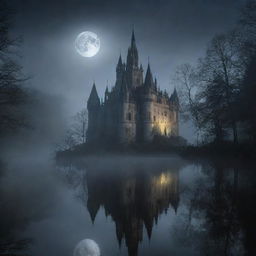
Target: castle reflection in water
134, 196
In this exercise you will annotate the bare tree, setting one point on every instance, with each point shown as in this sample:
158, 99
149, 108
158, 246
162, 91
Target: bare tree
213, 109
79, 126
222, 62
186, 79
76, 133
12, 94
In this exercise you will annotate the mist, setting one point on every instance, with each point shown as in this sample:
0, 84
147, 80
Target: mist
154, 198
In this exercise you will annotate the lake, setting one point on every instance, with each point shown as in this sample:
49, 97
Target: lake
129, 205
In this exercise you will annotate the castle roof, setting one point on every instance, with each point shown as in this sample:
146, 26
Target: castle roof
132, 55
120, 63
149, 78
174, 97
94, 99
93, 207
133, 44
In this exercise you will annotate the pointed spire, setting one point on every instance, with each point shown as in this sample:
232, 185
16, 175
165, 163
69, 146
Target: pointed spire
149, 227
175, 204
133, 44
120, 63
94, 100
175, 92
106, 93
93, 208
149, 78
119, 234
132, 55
174, 97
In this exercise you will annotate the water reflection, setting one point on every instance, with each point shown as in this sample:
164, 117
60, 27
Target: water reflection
216, 208
9, 243
134, 194
133, 201
219, 220
195, 208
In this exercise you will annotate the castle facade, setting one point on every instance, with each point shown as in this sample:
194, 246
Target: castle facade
135, 109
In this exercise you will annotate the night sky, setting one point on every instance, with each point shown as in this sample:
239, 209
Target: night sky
168, 32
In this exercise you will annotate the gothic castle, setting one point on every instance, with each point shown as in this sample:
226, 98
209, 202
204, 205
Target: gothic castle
135, 109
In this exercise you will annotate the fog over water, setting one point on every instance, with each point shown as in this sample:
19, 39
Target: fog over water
157, 205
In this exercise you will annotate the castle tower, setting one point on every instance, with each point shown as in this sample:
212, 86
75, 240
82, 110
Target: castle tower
93, 106
147, 106
133, 71
127, 113
120, 70
149, 84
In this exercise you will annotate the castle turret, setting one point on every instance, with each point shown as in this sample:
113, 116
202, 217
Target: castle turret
132, 56
93, 106
93, 208
134, 72
94, 100
124, 91
149, 226
120, 69
127, 112
149, 79
155, 86
174, 99
106, 94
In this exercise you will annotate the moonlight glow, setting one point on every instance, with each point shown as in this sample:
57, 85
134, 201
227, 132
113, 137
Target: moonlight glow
87, 44
87, 247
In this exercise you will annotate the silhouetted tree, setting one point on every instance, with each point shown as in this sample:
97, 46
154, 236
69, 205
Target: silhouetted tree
79, 126
11, 78
248, 100
248, 55
247, 30
76, 133
214, 109
186, 79
221, 73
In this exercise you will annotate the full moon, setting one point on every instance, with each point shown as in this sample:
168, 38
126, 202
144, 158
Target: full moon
87, 247
87, 44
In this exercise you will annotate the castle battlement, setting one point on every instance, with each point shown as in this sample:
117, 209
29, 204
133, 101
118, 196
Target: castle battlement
135, 109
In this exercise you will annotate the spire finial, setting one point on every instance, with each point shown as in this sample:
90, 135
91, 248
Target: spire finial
119, 64
149, 64
133, 37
